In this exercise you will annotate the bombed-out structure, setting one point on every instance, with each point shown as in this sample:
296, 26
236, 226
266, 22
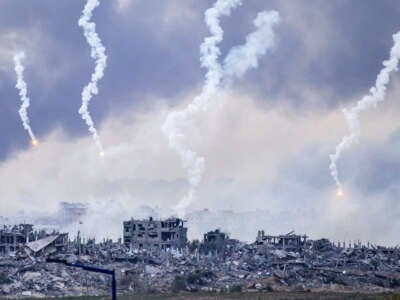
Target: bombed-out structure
214, 241
218, 263
16, 237
57, 242
283, 241
155, 235
11, 237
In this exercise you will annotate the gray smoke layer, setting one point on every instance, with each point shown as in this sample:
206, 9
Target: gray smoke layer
97, 52
376, 95
237, 62
21, 86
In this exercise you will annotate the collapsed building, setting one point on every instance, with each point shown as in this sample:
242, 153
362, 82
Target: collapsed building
12, 237
214, 241
155, 235
48, 245
284, 241
286, 262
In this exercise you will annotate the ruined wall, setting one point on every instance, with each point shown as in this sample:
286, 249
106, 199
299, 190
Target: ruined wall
155, 234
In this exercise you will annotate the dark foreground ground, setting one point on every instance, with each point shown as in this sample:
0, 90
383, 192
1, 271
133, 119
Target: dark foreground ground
250, 296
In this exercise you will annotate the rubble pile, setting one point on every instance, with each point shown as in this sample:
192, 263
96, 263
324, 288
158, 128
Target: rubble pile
270, 265
22, 277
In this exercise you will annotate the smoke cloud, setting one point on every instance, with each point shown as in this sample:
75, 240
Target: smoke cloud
22, 87
97, 52
376, 95
238, 60
176, 121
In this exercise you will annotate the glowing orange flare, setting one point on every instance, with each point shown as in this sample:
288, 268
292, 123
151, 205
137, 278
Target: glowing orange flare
34, 142
339, 192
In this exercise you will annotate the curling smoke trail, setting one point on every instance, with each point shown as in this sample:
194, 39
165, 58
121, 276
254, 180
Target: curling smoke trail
237, 62
377, 94
98, 54
21, 86
172, 128
244, 57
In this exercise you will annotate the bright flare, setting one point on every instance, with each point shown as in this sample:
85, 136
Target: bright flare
339, 192
35, 142
101, 154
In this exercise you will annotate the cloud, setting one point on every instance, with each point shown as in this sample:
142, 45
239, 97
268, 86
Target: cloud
257, 159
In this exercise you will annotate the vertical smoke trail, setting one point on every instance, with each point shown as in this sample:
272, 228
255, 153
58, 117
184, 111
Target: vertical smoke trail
172, 128
377, 94
98, 54
21, 86
238, 61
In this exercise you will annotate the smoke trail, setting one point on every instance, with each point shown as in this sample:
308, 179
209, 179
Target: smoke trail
237, 62
244, 57
21, 86
98, 54
377, 94
172, 128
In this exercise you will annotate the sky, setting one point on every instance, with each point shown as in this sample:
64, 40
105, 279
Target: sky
266, 146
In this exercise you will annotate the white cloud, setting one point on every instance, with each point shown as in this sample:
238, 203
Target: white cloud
244, 146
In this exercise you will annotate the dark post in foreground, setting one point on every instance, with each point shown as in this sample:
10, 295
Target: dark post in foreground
90, 269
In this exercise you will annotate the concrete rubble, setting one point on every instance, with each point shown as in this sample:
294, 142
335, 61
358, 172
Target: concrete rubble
272, 263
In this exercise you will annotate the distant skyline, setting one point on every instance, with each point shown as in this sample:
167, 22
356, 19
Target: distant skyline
266, 148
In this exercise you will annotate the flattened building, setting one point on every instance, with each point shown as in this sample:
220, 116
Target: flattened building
155, 235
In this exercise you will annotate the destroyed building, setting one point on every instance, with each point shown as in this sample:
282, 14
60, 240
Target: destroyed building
17, 237
286, 262
214, 241
47, 245
284, 241
155, 235
11, 237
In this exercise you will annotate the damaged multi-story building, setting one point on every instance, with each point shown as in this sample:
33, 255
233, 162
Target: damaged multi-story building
17, 237
11, 237
154, 235
283, 241
214, 241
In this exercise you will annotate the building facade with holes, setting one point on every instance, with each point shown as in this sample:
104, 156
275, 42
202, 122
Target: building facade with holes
155, 235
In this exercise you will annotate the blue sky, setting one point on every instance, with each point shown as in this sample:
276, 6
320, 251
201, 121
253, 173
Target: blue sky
269, 142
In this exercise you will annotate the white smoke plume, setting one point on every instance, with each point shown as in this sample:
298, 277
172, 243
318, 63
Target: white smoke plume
237, 62
21, 86
244, 57
97, 52
376, 95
